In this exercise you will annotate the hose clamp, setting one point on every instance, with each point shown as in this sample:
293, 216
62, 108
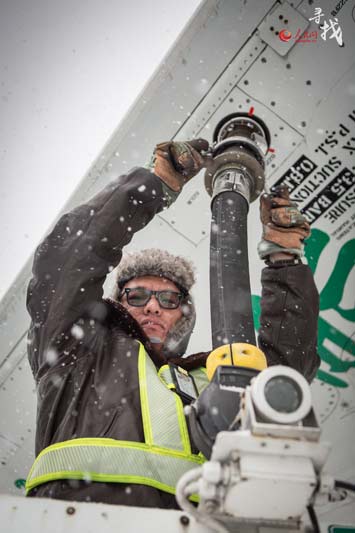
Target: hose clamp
235, 179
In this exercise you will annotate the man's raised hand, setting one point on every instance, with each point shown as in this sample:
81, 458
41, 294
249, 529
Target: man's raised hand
175, 163
284, 226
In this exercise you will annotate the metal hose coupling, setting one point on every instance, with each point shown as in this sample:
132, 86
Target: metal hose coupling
240, 143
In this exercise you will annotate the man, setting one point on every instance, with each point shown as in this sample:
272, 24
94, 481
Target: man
167, 318
110, 427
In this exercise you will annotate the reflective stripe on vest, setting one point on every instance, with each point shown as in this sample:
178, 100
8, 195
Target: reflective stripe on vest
200, 377
159, 462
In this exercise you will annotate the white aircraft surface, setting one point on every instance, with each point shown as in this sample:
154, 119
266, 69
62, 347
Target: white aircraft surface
292, 66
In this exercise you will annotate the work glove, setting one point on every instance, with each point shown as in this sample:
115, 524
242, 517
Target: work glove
284, 227
177, 162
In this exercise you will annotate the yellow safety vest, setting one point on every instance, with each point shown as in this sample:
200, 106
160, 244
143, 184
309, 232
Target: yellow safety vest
163, 457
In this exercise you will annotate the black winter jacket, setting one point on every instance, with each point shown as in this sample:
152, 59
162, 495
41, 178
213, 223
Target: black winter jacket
83, 349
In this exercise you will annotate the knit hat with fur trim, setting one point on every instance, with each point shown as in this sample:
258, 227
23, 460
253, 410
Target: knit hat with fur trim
160, 263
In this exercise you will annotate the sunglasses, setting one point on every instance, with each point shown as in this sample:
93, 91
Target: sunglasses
139, 297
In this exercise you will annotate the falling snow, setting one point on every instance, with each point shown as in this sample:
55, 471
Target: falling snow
77, 332
51, 356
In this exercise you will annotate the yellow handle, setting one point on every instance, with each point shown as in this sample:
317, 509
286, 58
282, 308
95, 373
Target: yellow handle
237, 354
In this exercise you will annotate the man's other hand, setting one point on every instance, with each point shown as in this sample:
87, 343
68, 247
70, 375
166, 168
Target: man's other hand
284, 227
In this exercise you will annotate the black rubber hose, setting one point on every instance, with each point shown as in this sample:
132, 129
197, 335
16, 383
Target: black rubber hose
344, 485
231, 309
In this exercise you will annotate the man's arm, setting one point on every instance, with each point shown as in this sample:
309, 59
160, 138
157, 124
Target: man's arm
289, 315
290, 300
71, 264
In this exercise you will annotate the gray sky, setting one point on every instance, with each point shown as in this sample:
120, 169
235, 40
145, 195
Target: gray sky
68, 73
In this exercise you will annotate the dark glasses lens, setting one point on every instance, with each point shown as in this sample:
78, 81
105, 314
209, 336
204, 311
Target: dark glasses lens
138, 297
169, 299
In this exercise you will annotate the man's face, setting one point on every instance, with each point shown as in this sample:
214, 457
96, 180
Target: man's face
155, 321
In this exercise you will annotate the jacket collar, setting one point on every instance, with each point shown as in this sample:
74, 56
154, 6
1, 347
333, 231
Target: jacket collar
121, 318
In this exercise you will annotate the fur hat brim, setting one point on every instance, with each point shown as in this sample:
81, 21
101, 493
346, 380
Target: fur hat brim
179, 270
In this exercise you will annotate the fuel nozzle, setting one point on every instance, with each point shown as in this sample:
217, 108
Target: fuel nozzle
240, 144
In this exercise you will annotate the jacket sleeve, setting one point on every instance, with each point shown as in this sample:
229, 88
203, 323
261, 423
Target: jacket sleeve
71, 264
289, 317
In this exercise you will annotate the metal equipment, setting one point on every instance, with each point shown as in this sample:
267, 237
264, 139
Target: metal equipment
266, 467
255, 424
234, 178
